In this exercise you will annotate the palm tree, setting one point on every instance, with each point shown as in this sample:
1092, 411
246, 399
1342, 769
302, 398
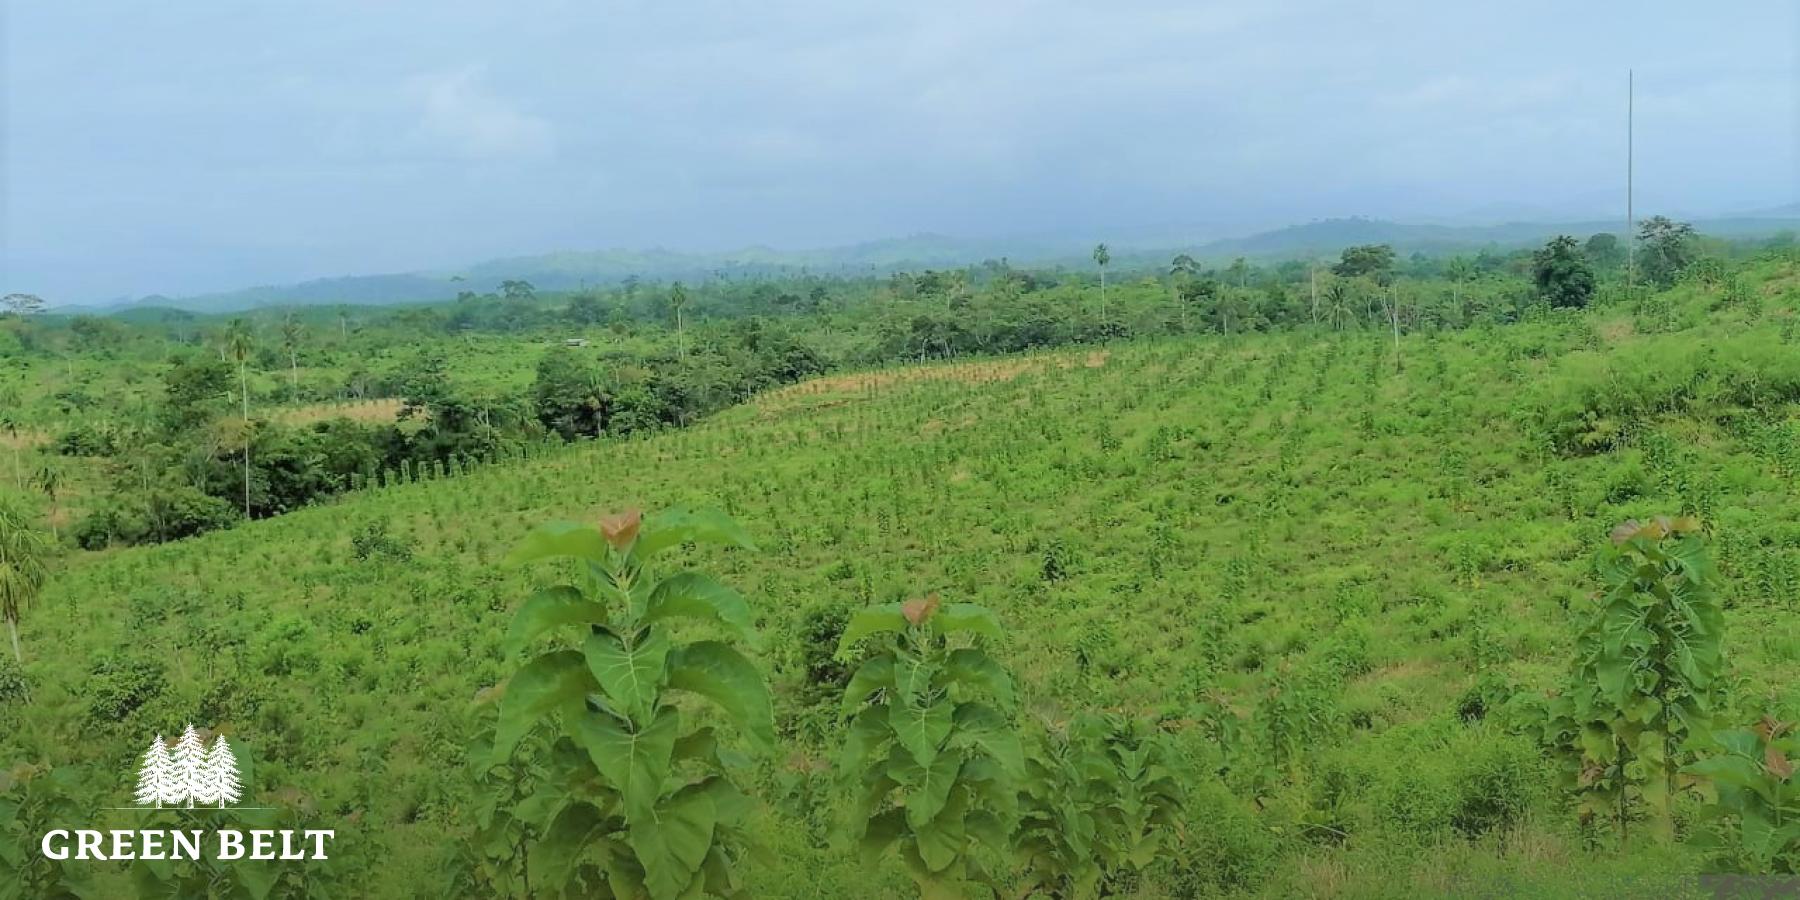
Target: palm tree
10, 423
238, 342
678, 300
1102, 256
1183, 269
291, 333
22, 568
1231, 303
49, 482
1241, 269
1313, 276
1337, 305
1392, 307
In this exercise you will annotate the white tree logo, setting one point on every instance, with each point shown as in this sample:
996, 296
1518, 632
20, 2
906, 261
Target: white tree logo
190, 774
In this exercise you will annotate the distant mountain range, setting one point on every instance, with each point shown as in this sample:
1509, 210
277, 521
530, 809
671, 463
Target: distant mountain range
1147, 247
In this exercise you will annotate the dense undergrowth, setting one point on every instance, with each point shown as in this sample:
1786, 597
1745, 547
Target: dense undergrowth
1324, 563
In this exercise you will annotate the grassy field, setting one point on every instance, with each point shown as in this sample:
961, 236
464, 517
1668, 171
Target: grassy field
1325, 560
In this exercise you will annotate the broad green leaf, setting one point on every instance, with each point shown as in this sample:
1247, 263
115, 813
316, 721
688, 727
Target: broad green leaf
943, 838
988, 829
935, 885
720, 878
578, 828
537, 809
1612, 674
871, 676
1733, 771
967, 617
990, 784
980, 725
548, 609
547, 683
696, 596
730, 806
913, 678
975, 669
625, 877
702, 745
672, 843
631, 676
868, 731
872, 793
871, 621
637, 763
927, 787
921, 729
257, 878
881, 833
674, 527
718, 672
558, 539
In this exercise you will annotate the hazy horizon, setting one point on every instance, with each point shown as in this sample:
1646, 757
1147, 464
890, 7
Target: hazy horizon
207, 147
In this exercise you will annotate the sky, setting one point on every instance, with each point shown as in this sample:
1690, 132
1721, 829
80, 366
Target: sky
179, 147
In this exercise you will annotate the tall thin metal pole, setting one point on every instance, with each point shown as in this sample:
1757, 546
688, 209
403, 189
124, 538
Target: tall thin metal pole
1630, 218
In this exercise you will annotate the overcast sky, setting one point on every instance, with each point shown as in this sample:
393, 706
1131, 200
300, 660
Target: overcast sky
183, 146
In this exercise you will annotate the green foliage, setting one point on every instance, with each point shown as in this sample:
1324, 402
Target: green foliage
1102, 799
570, 395
1562, 273
1604, 250
376, 541
930, 755
1665, 249
23, 566
1276, 530
636, 796
1367, 260
1598, 403
14, 687
245, 879
1755, 816
1646, 677
33, 800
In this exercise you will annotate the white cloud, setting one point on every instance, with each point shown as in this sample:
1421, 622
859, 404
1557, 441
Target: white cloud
459, 113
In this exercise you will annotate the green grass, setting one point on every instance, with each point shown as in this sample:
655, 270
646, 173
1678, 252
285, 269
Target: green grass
1291, 522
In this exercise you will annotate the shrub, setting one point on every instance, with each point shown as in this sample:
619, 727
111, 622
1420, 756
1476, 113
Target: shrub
1100, 800
1646, 675
929, 750
641, 800
117, 687
14, 688
375, 542
1755, 823
1234, 852
1598, 401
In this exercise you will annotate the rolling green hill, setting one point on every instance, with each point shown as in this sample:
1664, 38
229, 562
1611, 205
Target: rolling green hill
1148, 249
1324, 561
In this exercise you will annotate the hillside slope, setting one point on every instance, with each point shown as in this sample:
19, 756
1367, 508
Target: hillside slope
1295, 547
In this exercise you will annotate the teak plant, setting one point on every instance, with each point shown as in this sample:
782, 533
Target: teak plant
1757, 803
645, 804
930, 751
34, 799
1647, 670
1099, 798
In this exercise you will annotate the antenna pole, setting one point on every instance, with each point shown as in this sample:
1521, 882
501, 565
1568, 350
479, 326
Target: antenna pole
1630, 218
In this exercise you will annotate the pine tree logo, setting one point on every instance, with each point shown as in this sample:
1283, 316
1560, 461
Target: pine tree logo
189, 774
